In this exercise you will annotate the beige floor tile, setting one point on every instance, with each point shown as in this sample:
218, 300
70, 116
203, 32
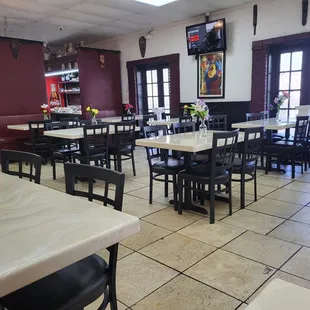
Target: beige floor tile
275, 207
299, 265
293, 232
264, 249
302, 216
285, 277
230, 273
148, 234
221, 209
290, 196
262, 190
216, 234
122, 252
138, 276
242, 307
57, 185
141, 208
298, 186
164, 200
254, 221
177, 251
287, 175
304, 178
132, 185
236, 199
272, 181
95, 305
171, 220
183, 293
144, 192
129, 199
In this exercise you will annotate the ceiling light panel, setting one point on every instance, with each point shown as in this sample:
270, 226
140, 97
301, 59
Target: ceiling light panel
156, 2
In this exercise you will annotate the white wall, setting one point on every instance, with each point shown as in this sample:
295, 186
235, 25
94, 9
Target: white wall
275, 18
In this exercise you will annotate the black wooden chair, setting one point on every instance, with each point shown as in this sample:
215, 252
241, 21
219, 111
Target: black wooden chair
61, 150
186, 119
247, 164
128, 117
82, 283
183, 127
217, 122
123, 145
217, 172
33, 160
38, 143
147, 118
160, 164
292, 152
88, 122
73, 122
254, 116
95, 145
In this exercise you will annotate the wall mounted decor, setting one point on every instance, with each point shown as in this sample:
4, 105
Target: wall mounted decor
14, 48
142, 45
305, 8
255, 12
211, 75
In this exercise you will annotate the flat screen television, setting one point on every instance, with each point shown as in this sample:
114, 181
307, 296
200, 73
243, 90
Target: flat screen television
206, 37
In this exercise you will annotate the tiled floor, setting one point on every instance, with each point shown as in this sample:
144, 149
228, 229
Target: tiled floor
181, 262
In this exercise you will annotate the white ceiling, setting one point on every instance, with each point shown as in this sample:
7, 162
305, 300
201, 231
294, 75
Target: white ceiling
95, 20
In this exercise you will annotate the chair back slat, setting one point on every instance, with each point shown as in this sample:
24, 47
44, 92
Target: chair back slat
217, 122
301, 129
91, 173
183, 127
223, 151
8, 157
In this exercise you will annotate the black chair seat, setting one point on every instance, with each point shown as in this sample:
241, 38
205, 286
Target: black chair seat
201, 173
123, 150
38, 145
286, 143
200, 158
248, 165
170, 164
63, 290
79, 155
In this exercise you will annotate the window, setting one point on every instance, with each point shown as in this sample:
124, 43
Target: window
290, 77
153, 85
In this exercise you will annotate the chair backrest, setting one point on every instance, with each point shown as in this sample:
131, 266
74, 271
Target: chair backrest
186, 119
224, 147
36, 128
147, 118
255, 116
183, 127
96, 140
166, 116
57, 125
128, 117
125, 135
152, 132
34, 161
73, 122
87, 122
253, 140
301, 129
91, 173
217, 122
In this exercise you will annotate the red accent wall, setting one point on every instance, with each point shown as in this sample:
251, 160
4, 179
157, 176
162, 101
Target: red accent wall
100, 88
22, 85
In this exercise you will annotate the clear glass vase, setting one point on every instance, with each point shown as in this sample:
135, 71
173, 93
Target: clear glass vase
203, 128
45, 117
128, 111
93, 120
278, 116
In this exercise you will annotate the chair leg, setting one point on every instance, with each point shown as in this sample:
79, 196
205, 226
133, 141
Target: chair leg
175, 192
267, 163
133, 164
194, 191
151, 189
255, 186
112, 286
230, 196
180, 192
242, 192
202, 195
119, 163
53, 162
212, 203
166, 185
293, 165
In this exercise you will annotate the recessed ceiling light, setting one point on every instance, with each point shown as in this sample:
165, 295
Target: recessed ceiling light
156, 2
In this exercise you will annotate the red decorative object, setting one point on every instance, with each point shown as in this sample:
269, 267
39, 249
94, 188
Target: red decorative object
128, 106
102, 61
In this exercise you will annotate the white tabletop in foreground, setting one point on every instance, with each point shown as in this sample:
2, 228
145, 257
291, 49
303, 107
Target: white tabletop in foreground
269, 124
191, 142
167, 122
43, 230
281, 295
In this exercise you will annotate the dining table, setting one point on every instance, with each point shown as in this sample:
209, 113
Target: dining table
43, 231
281, 295
187, 143
168, 122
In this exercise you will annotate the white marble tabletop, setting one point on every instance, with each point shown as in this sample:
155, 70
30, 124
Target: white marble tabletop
191, 142
115, 119
269, 124
22, 127
281, 295
167, 122
74, 133
43, 230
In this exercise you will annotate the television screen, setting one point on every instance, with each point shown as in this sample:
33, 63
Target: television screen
206, 37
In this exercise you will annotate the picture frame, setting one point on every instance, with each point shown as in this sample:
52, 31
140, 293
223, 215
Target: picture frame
211, 75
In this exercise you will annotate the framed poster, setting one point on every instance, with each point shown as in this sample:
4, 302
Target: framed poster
211, 75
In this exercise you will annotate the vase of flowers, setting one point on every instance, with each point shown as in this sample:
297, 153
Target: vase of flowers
45, 110
128, 108
201, 111
278, 102
92, 112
